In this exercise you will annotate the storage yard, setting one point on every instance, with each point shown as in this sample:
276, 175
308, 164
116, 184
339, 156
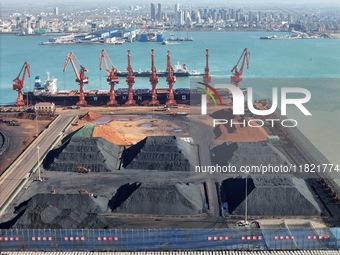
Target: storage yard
137, 176
154, 174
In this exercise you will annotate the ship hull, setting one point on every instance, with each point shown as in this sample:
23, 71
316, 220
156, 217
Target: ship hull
159, 74
102, 99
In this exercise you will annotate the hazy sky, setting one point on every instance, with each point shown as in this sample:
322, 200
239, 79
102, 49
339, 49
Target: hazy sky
335, 2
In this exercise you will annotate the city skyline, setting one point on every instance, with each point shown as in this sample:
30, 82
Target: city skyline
167, 16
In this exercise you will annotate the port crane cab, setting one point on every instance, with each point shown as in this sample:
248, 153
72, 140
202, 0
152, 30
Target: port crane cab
237, 76
19, 83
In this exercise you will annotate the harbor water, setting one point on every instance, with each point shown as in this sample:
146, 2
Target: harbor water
315, 63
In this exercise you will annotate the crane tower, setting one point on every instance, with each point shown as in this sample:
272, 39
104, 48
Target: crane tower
19, 83
171, 79
130, 79
111, 76
153, 80
236, 78
80, 77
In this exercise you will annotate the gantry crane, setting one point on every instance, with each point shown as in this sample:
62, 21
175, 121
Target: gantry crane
130, 79
237, 77
19, 83
153, 80
111, 76
206, 77
171, 79
80, 77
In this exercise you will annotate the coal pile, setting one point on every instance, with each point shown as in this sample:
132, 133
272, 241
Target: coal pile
164, 153
95, 154
61, 211
248, 154
279, 196
176, 199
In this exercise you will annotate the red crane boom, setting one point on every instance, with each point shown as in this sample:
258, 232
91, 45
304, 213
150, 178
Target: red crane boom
237, 77
19, 83
80, 77
130, 79
111, 75
171, 79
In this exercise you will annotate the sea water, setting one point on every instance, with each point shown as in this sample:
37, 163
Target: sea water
315, 62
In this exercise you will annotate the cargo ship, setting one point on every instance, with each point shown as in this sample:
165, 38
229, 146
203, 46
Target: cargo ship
48, 92
179, 71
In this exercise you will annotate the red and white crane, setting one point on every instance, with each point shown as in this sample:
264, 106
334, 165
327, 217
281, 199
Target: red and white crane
171, 79
80, 77
19, 84
111, 75
237, 76
130, 79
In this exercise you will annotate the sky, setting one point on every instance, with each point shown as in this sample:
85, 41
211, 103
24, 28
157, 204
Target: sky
321, 2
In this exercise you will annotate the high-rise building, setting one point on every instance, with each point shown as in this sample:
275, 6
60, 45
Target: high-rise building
193, 15
232, 14
223, 14
201, 11
180, 18
28, 21
205, 15
251, 18
188, 18
39, 23
214, 15
153, 11
198, 18
176, 8
56, 11
18, 20
260, 16
159, 13
238, 15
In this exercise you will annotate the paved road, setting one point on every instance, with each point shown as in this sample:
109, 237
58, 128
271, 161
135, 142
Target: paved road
204, 137
23, 165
